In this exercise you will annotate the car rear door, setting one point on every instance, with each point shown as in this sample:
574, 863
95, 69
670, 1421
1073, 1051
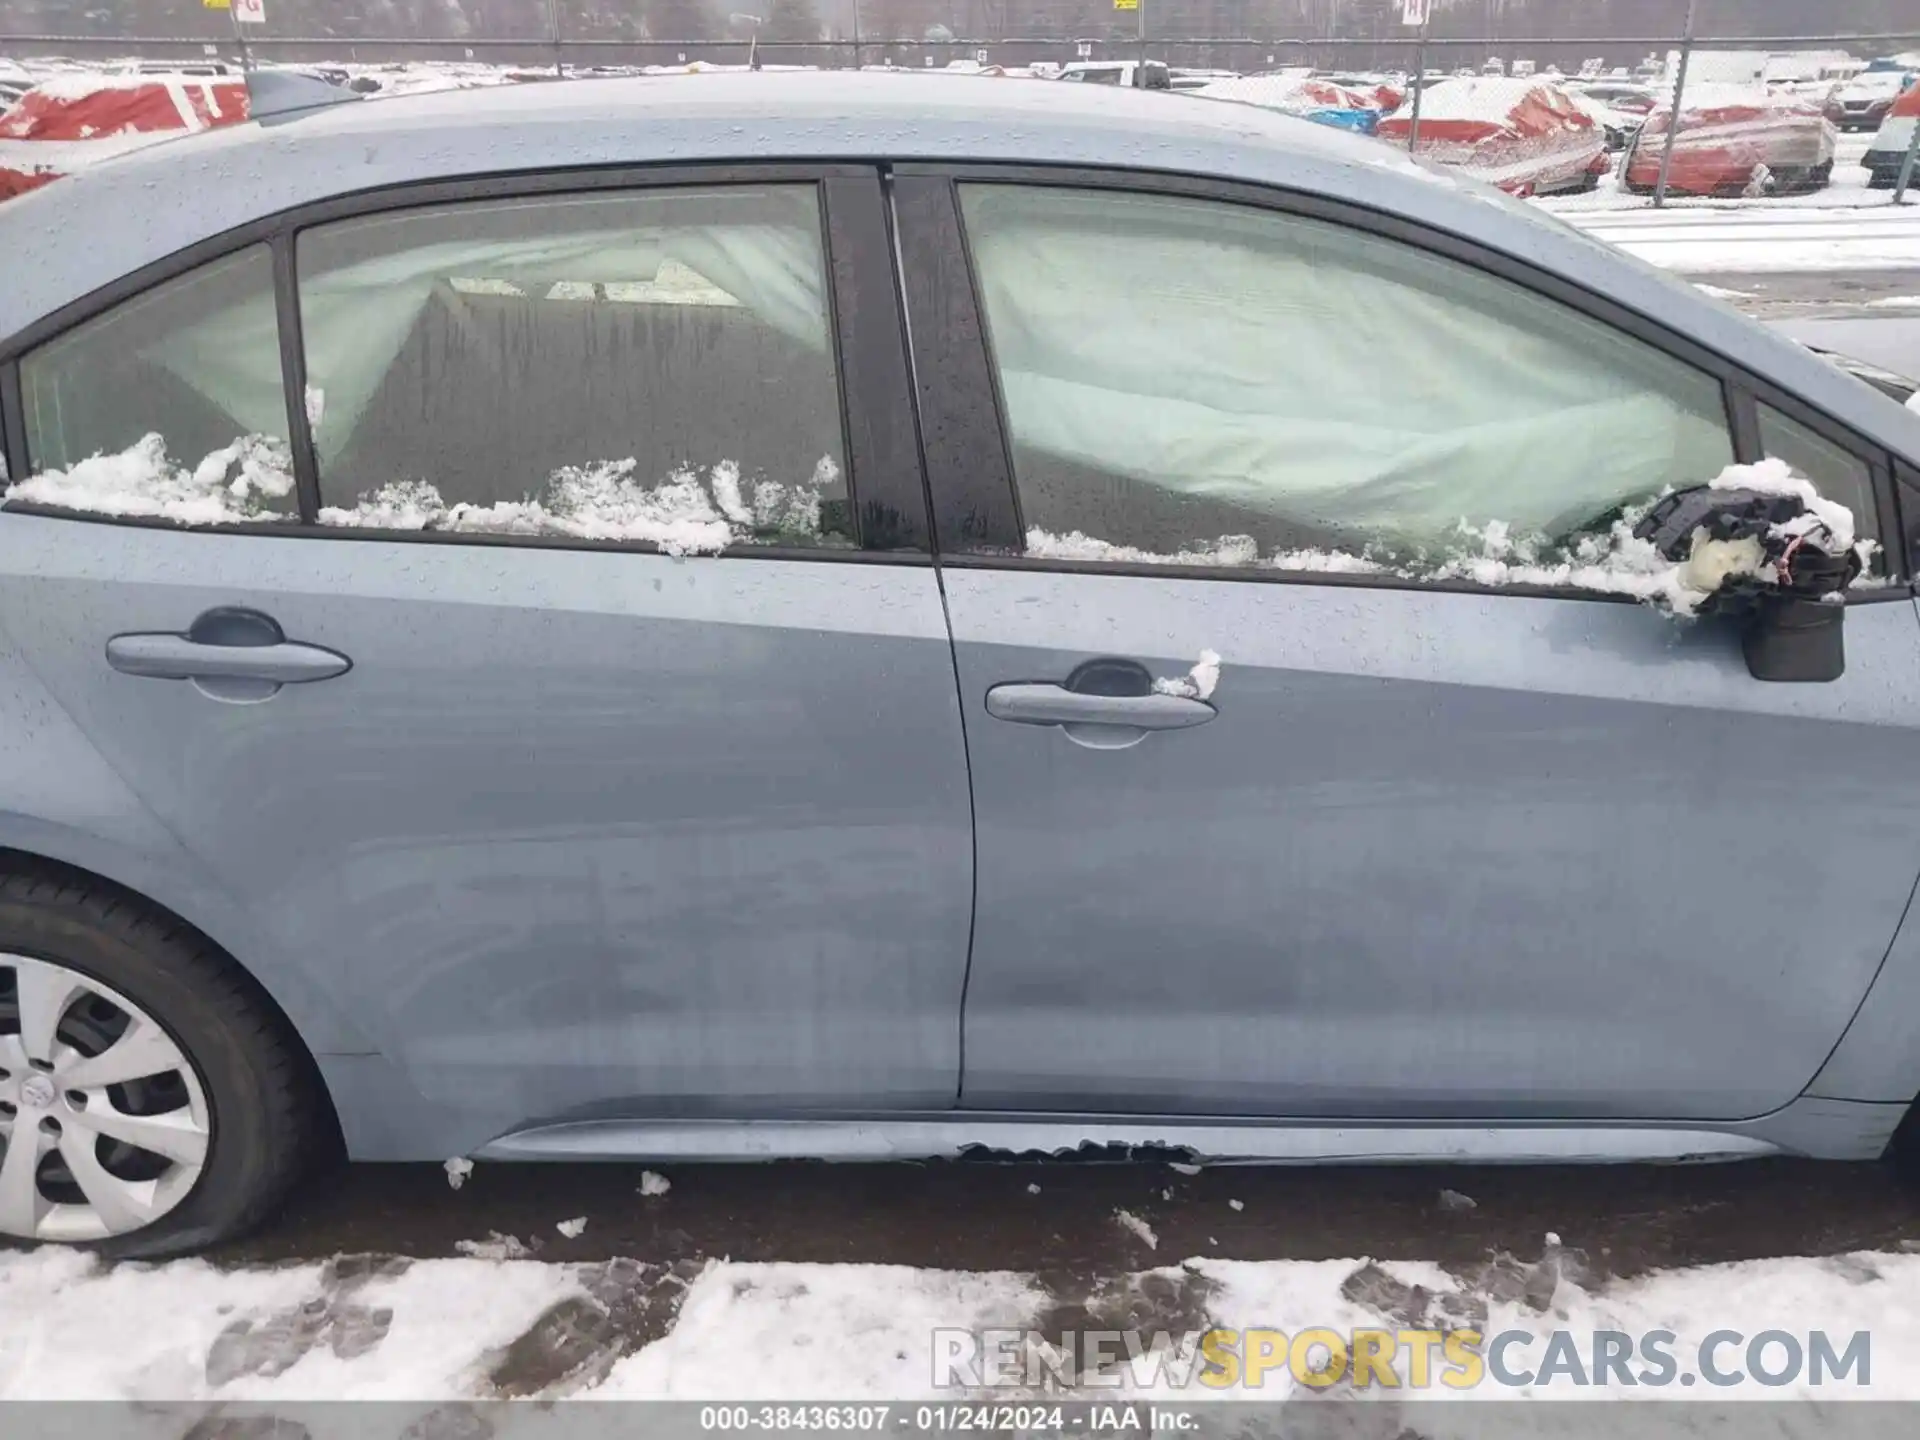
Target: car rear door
563, 684
1316, 772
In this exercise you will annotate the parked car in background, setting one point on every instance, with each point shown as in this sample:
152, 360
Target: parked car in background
1385, 94
1735, 140
1190, 79
1320, 101
551, 704
1888, 152
67, 122
1619, 126
1636, 100
1864, 102
15, 81
1128, 74
1527, 137
1892, 383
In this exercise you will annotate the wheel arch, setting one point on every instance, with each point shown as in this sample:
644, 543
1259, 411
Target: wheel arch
15, 859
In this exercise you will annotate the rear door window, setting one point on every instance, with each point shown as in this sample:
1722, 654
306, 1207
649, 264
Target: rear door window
655, 368
170, 405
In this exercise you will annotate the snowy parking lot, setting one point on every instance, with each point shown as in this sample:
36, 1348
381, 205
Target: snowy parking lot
860, 1282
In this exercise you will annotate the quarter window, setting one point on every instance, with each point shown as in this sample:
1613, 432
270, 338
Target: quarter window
171, 405
1837, 473
649, 367
1215, 384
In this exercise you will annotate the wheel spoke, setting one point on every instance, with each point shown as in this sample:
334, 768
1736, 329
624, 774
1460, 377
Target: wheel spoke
120, 1204
176, 1134
21, 1204
143, 1049
44, 992
13, 1055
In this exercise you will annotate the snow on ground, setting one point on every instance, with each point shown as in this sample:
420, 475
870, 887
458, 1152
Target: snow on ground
436, 1330
1764, 241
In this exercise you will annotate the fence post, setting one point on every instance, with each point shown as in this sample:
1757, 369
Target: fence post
240, 34
1419, 76
1140, 26
553, 37
1673, 116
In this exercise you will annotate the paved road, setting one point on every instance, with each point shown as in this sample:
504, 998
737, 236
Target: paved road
1796, 240
984, 1216
1873, 315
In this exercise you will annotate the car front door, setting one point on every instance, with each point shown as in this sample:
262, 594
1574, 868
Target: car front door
1316, 771
566, 686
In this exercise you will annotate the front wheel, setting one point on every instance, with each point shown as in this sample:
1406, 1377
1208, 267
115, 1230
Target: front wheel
151, 1102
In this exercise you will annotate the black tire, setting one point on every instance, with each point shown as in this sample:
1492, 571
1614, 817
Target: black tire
258, 1081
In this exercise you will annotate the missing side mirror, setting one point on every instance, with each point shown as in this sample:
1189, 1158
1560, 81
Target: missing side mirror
1774, 564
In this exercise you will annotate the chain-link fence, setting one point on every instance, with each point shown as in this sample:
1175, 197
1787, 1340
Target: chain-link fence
1611, 104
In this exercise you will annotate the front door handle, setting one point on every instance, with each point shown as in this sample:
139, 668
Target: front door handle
1046, 704
178, 657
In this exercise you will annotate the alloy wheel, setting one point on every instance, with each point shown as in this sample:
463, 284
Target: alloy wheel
104, 1126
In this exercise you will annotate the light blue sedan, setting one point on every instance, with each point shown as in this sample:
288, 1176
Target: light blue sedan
844, 615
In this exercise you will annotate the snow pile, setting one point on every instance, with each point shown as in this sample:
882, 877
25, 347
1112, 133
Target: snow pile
495, 1247
1198, 683
1611, 562
367, 1327
1137, 1227
1229, 552
240, 482
1776, 477
686, 514
653, 1184
458, 1168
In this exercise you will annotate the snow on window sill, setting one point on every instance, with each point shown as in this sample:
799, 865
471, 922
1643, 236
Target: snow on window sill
1613, 563
246, 482
686, 514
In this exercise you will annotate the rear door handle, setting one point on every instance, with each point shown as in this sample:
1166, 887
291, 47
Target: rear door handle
179, 657
1047, 704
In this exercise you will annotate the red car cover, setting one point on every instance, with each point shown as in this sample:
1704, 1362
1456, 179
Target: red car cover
1527, 138
1727, 133
74, 120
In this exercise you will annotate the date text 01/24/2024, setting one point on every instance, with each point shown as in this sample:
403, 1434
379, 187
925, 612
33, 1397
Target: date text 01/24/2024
947, 1416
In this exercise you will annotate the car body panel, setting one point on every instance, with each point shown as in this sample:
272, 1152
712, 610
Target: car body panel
1440, 855
64, 802
576, 828
1826, 1129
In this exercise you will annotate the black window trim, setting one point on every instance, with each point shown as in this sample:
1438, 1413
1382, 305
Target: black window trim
942, 232
13, 421
967, 454
878, 433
